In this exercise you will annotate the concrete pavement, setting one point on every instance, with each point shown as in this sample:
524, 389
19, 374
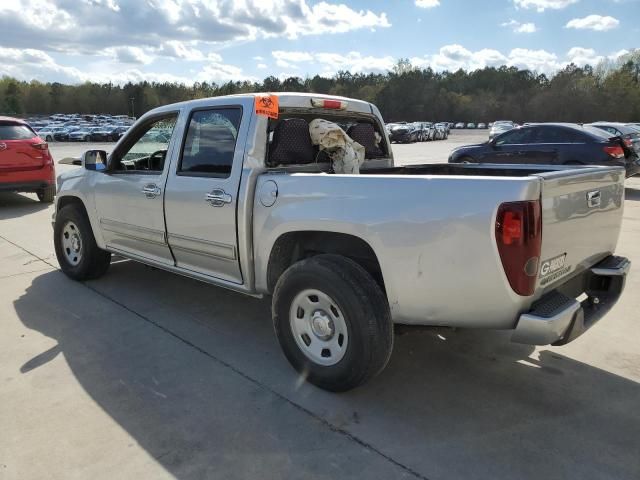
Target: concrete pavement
143, 374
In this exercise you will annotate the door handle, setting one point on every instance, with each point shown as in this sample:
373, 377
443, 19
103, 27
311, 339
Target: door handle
151, 190
218, 198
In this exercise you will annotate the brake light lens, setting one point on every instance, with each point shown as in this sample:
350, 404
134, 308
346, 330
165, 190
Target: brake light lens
39, 146
518, 232
330, 104
614, 152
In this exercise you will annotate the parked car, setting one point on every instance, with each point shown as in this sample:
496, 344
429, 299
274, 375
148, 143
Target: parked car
429, 131
118, 132
63, 135
500, 127
403, 133
48, 133
482, 125
338, 259
552, 144
459, 125
441, 132
80, 135
25, 162
629, 134
471, 125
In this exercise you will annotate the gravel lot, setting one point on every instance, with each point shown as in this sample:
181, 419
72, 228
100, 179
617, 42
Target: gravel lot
144, 374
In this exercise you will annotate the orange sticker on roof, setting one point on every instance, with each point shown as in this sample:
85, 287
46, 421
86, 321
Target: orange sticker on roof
267, 105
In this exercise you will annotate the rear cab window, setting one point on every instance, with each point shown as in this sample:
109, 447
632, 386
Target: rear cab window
362, 128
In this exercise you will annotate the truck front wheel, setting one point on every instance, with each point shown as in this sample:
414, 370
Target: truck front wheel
78, 254
333, 322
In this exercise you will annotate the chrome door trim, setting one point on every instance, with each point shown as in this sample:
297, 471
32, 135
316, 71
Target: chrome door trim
202, 247
135, 232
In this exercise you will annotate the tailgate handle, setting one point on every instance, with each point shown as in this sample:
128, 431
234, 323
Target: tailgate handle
594, 199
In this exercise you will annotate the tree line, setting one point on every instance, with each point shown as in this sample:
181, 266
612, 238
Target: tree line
607, 91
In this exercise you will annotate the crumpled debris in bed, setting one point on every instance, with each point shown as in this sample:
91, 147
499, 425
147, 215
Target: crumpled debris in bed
346, 155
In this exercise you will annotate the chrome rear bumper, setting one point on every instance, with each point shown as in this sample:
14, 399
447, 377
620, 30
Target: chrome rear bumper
558, 318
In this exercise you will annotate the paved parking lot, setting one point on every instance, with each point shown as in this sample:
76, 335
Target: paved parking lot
143, 374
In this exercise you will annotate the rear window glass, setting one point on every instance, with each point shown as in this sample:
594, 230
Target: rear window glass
601, 134
15, 132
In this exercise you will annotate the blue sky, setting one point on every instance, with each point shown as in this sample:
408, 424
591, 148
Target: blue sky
219, 40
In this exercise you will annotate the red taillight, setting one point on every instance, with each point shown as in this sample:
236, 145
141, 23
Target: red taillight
39, 146
332, 104
628, 142
519, 239
615, 152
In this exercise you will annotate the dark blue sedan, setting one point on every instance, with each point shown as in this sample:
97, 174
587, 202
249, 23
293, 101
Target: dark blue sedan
552, 144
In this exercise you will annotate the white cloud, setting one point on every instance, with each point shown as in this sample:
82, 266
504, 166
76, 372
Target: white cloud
288, 59
584, 56
427, 3
597, 23
181, 50
518, 27
80, 27
542, 5
130, 55
262, 66
331, 63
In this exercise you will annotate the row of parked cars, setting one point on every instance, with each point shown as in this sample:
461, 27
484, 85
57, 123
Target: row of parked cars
471, 125
598, 143
81, 128
410, 132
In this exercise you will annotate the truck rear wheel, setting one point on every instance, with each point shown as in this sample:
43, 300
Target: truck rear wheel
333, 322
78, 254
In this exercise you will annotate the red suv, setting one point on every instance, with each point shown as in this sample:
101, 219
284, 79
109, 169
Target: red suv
25, 162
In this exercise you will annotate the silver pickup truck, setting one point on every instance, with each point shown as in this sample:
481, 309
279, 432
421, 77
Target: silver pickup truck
232, 191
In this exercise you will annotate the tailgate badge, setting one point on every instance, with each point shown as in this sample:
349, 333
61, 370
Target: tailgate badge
593, 199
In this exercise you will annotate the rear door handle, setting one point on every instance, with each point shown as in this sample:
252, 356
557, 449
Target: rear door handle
151, 190
218, 198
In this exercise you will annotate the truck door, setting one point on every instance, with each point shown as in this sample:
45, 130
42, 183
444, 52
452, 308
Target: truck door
201, 192
128, 195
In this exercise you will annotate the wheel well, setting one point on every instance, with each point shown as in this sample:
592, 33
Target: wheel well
70, 200
294, 246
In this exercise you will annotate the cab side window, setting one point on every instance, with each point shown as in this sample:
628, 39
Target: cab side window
146, 150
210, 142
516, 136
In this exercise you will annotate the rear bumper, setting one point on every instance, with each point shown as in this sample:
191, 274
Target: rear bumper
558, 318
27, 180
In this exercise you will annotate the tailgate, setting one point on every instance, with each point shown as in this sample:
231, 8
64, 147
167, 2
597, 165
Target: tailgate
581, 220
19, 156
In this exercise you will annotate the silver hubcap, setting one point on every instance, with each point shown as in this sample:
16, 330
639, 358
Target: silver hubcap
318, 327
72, 243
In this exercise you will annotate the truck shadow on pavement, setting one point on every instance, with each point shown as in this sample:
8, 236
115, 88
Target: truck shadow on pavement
14, 205
195, 375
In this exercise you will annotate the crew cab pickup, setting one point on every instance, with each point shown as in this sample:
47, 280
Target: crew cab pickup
232, 191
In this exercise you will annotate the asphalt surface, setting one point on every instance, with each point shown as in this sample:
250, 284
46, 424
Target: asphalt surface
144, 374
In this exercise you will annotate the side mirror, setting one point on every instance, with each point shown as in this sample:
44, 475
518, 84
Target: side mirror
94, 160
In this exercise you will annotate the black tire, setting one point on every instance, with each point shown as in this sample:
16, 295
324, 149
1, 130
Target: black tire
366, 314
47, 194
48, 139
94, 261
87, 138
466, 159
